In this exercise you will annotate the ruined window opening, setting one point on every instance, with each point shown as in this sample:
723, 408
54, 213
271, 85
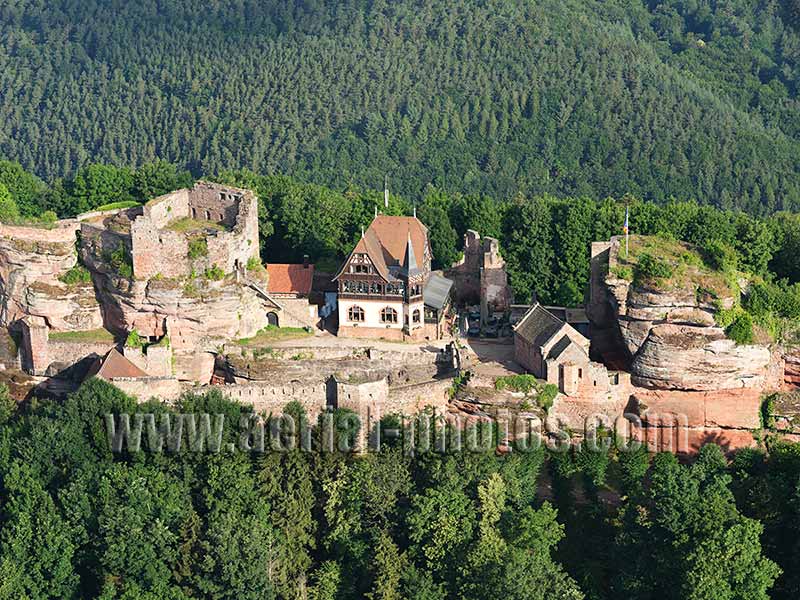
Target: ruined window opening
415, 316
194, 213
208, 215
580, 373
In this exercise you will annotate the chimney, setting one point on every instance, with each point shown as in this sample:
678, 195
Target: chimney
386, 191
305, 261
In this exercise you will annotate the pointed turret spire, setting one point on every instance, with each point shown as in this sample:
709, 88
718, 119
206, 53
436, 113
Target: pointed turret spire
410, 267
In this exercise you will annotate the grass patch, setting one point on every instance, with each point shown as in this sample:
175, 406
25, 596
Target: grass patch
272, 334
665, 263
198, 247
187, 224
214, 273
117, 205
76, 275
528, 384
88, 336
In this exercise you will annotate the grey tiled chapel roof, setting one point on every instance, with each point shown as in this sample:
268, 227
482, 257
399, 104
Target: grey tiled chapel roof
564, 344
538, 325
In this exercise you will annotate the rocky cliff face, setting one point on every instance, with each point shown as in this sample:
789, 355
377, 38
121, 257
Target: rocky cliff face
675, 343
194, 310
31, 262
793, 367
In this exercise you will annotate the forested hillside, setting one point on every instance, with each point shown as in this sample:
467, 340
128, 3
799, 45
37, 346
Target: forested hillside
685, 98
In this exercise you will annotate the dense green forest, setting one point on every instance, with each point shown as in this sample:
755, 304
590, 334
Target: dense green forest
81, 521
544, 239
691, 99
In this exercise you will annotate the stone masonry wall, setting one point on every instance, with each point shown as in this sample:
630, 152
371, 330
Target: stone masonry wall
273, 398
144, 388
160, 251
160, 211
480, 276
410, 399
297, 312
214, 203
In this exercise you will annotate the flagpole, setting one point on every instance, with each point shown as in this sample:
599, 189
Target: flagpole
627, 229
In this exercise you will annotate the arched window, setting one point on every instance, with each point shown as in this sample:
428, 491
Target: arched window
415, 316
356, 314
389, 315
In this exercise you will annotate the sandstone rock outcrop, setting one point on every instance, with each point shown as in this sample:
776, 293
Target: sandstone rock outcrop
793, 367
687, 357
691, 384
194, 311
675, 343
31, 262
180, 266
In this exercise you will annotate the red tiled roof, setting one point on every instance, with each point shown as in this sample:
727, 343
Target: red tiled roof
392, 233
290, 278
114, 365
386, 238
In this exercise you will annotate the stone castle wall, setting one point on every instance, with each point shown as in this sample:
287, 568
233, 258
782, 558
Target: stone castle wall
156, 250
297, 312
144, 388
169, 207
155, 360
480, 276
41, 355
271, 399
377, 396
412, 398
215, 203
